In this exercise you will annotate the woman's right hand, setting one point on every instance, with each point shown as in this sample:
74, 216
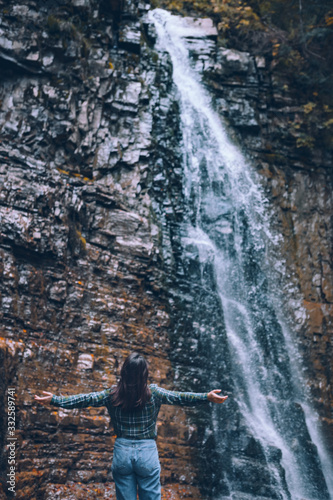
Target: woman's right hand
213, 397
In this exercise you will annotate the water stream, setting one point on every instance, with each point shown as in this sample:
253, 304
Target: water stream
228, 225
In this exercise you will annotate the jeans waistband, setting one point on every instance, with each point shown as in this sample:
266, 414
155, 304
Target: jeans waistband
133, 442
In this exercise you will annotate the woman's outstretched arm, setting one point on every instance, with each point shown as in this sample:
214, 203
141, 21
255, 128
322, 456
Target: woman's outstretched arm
186, 398
77, 401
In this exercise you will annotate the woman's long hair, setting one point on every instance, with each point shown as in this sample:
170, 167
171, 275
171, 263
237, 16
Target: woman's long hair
132, 391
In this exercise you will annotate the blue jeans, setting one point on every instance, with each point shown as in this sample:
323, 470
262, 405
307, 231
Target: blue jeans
136, 468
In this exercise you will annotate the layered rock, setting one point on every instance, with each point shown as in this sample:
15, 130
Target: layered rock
82, 275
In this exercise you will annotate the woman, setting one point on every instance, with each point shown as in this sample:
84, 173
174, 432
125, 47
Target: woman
133, 407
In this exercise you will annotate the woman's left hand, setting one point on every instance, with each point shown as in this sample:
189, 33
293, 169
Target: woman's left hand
44, 400
213, 396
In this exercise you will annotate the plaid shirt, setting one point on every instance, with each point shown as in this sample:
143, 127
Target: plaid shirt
138, 424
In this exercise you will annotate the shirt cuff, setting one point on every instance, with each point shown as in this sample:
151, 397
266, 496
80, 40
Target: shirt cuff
53, 400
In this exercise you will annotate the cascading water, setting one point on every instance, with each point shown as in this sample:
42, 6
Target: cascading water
227, 224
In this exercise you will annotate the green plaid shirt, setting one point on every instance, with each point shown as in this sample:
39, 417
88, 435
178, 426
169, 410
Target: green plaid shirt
139, 424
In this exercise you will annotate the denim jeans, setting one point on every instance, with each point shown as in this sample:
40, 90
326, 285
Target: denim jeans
136, 468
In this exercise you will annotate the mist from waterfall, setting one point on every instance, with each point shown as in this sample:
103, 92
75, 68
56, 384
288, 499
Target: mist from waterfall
227, 223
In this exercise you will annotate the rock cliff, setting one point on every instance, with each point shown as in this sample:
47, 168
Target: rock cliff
90, 196
82, 279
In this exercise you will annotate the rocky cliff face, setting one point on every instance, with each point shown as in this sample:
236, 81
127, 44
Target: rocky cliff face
82, 280
90, 195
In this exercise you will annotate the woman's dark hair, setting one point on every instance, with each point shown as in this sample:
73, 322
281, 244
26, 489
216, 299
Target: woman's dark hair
132, 391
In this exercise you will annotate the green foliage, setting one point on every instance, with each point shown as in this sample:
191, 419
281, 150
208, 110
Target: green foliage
54, 25
83, 241
236, 15
312, 127
305, 141
154, 57
67, 30
304, 37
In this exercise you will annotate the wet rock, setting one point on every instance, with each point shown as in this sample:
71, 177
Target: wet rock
5, 43
197, 28
83, 117
86, 4
150, 31
85, 362
58, 291
130, 37
233, 62
127, 96
48, 60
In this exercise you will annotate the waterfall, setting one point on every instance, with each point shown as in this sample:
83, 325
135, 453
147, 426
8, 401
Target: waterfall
227, 223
